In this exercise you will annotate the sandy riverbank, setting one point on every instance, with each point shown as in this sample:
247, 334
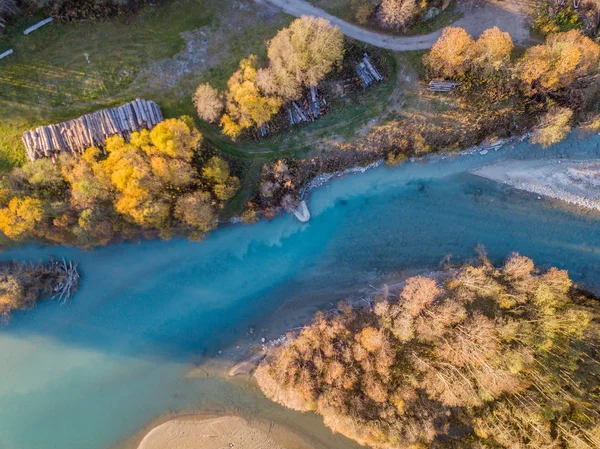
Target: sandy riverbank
575, 182
197, 432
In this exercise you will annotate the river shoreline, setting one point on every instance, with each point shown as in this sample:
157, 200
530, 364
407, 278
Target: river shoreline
117, 357
573, 182
246, 351
213, 431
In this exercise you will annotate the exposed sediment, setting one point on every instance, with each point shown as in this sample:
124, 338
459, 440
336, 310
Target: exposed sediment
220, 432
575, 182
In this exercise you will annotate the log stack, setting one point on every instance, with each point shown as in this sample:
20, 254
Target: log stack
306, 109
442, 86
91, 130
367, 72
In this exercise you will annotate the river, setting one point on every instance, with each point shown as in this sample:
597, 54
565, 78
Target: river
92, 373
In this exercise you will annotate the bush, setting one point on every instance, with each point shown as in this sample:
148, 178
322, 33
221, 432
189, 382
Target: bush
553, 127
564, 20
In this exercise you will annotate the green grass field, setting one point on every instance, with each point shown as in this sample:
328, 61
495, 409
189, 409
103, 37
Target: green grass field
64, 70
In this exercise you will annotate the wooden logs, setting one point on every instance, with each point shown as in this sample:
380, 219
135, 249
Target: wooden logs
76, 135
367, 72
442, 86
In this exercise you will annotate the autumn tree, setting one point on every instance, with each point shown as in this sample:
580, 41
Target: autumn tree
216, 171
397, 14
302, 54
246, 105
553, 126
487, 357
154, 183
449, 56
196, 211
490, 52
20, 219
208, 102
558, 62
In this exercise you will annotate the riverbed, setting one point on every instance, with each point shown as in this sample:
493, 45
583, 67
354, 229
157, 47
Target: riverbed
91, 374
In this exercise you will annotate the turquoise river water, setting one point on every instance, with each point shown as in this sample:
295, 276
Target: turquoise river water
92, 373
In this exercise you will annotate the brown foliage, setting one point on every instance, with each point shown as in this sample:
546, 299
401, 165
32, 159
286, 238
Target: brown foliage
159, 183
21, 285
397, 14
554, 65
435, 363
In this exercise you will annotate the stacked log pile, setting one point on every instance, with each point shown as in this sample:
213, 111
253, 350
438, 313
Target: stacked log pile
91, 130
307, 109
367, 72
442, 86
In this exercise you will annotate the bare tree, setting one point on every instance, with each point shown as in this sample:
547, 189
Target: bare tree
397, 14
208, 102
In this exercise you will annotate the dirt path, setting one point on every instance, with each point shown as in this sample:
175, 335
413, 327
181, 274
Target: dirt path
508, 15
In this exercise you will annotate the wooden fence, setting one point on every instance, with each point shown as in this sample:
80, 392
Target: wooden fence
91, 130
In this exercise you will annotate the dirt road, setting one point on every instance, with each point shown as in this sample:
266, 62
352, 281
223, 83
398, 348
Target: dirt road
508, 15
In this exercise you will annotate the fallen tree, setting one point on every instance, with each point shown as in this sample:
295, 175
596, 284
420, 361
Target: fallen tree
23, 284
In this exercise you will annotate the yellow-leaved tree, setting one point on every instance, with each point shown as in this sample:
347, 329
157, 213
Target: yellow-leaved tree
448, 57
302, 54
246, 105
20, 218
555, 64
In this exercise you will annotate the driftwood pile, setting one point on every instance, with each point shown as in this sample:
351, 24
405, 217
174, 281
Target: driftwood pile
68, 281
307, 109
75, 136
367, 72
442, 86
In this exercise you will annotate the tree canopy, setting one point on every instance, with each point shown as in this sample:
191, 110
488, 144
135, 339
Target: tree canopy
156, 183
304, 53
482, 357
553, 126
558, 62
397, 14
209, 103
246, 105
456, 53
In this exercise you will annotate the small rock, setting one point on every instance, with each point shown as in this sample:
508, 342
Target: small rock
483, 152
262, 340
219, 352
431, 13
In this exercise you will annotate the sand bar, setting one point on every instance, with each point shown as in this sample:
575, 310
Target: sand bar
576, 182
219, 433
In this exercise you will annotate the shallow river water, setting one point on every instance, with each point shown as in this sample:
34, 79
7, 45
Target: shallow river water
92, 373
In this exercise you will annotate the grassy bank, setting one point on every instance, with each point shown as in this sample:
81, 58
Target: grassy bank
161, 53
64, 70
